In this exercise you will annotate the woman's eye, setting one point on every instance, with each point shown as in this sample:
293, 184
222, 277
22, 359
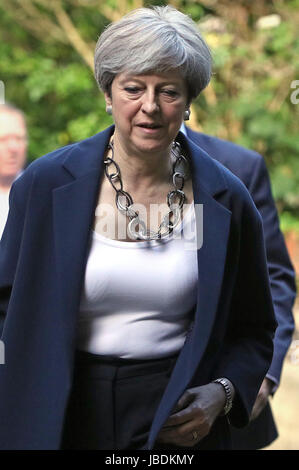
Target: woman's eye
171, 93
132, 89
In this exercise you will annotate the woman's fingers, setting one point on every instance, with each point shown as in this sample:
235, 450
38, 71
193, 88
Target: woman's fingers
198, 409
187, 427
184, 401
187, 434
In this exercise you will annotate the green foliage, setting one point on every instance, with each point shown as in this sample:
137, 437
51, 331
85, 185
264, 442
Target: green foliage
288, 222
249, 100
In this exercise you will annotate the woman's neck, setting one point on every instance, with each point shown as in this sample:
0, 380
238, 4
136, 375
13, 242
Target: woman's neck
142, 170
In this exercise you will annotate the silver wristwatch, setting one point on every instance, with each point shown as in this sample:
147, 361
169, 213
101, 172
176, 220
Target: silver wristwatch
228, 393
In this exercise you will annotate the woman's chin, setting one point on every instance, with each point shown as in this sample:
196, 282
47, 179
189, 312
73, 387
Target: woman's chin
150, 145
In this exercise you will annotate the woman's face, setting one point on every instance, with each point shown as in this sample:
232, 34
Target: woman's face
147, 110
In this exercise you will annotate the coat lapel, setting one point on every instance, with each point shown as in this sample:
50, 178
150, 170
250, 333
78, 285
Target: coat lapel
208, 182
208, 185
74, 206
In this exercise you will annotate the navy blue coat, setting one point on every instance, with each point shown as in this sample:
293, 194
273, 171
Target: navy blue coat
43, 256
250, 167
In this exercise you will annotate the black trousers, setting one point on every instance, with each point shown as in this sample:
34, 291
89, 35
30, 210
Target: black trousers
113, 401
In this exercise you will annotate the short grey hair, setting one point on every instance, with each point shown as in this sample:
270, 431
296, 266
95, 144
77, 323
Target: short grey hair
156, 39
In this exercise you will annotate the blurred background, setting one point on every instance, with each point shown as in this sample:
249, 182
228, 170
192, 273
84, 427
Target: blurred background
46, 67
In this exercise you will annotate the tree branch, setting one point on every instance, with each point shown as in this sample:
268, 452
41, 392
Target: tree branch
34, 20
83, 49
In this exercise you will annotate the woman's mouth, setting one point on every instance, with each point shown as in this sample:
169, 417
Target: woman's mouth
149, 128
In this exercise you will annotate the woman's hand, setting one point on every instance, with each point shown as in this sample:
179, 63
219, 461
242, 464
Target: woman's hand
194, 415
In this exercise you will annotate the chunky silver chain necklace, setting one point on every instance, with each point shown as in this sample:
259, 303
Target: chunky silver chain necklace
175, 198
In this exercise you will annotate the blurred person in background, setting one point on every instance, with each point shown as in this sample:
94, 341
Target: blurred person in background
13, 150
250, 167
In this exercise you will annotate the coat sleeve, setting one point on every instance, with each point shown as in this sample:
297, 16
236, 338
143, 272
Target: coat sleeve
247, 349
281, 272
9, 251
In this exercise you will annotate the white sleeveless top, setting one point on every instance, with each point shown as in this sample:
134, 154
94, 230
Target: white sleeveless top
138, 297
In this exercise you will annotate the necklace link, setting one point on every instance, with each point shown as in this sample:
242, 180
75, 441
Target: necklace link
175, 198
120, 193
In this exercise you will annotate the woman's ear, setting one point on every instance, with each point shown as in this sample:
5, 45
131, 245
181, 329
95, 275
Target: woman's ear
108, 103
108, 98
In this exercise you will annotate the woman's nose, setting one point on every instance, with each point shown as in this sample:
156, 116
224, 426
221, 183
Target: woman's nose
150, 103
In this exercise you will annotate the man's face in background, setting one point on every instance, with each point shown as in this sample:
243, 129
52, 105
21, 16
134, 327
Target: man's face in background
13, 144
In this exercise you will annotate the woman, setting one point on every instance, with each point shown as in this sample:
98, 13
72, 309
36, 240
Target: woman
118, 334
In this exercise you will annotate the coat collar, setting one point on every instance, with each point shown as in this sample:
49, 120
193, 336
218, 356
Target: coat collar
206, 173
88, 154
